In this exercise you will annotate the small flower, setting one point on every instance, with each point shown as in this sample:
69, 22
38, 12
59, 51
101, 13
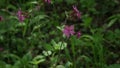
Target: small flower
1, 18
1, 49
68, 30
20, 16
48, 1
78, 34
76, 12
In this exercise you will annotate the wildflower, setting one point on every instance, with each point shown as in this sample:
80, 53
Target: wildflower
1, 49
48, 1
20, 16
78, 34
76, 12
68, 30
1, 18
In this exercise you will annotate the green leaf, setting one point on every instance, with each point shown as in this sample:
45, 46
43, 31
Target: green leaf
38, 59
12, 56
47, 53
36, 27
86, 58
24, 62
27, 57
2, 64
38, 18
32, 2
48, 47
62, 44
53, 42
8, 66
87, 36
111, 22
60, 27
21, 24
60, 66
114, 16
7, 26
10, 6
87, 20
59, 45
68, 64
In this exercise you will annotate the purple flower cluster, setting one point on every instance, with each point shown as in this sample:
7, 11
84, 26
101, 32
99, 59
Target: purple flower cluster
78, 34
47, 1
20, 16
1, 18
69, 31
76, 12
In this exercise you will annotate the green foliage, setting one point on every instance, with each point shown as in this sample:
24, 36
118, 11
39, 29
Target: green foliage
114, 66
39, 41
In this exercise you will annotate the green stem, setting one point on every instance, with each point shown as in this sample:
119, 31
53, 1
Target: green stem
73, 51
94, 55
25, 29
101, 56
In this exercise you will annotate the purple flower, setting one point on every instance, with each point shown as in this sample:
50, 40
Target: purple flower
68, 30
1, 18
78, 34
48, 1
20, 16
76, 12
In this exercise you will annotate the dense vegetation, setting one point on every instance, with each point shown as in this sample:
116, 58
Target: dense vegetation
59, 34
